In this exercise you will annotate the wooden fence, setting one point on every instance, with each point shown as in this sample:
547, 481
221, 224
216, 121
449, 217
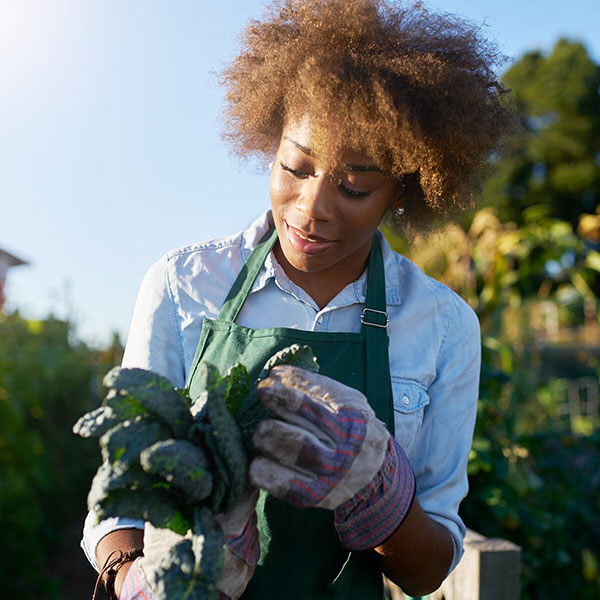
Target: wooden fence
490, 569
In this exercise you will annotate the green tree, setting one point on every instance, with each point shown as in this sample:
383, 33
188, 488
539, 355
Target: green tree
557, 162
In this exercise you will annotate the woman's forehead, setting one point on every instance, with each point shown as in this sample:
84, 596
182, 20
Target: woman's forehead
303, 135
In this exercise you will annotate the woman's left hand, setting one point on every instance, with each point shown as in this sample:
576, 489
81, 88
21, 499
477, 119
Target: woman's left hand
327, 449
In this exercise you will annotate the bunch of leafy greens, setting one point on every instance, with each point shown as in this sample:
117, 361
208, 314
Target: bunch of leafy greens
176, 463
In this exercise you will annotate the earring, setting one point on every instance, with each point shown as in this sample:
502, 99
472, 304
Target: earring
400, 211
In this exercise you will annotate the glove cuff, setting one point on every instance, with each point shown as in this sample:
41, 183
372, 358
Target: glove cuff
373, 514
135, 585
245, 545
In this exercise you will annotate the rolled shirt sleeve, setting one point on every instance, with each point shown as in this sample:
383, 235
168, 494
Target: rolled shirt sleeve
441, 450
93, 532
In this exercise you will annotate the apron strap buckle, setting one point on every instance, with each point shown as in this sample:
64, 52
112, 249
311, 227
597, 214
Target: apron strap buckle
376, 319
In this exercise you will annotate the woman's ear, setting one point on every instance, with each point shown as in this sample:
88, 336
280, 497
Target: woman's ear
397, 203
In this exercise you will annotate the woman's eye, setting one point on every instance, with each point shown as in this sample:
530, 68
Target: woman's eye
304, 175
353, 193
294, 172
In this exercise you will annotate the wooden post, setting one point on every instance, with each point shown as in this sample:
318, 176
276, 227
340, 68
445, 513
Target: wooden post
490, 569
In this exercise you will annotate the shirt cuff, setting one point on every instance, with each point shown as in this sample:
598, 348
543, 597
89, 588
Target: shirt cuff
93, 533
457, 535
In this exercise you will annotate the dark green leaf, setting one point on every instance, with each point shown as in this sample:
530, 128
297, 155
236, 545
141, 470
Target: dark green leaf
111, 477
125, 441
124, 406
296, 355
155, 394
208, 544
96, 422
158, 507
178, 576
221, 481
181, 463
120, 378
225, 438
238, 387
249, 416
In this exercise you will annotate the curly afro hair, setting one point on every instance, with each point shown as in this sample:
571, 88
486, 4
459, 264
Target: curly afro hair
414, 90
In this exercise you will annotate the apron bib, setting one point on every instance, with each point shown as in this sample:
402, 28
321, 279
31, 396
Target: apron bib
301, 556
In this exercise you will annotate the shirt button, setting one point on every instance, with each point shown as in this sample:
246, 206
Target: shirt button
405, 399
320, 320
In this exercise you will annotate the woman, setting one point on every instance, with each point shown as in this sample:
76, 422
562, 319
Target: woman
366, 109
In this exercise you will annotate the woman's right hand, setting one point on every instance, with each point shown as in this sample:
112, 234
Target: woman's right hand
242, 549
144, 577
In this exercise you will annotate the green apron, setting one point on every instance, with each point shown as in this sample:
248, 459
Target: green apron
301, 557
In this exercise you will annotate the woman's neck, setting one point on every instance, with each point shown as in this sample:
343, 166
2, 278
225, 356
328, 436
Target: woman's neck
321, 286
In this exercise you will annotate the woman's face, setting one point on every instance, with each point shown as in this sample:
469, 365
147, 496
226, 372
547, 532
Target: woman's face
325, 226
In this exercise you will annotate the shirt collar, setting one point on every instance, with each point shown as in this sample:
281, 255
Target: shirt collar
356, 292
250, 239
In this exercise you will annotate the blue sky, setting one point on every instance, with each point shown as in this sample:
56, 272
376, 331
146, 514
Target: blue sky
110, 152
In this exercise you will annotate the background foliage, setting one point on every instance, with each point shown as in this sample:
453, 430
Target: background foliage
47, 380
535, 470
528, 263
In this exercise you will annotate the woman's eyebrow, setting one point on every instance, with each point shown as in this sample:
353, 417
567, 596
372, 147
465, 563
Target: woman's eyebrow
362, 168
347, 167
304, 149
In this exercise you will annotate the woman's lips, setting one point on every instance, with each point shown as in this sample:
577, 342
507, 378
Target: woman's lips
305, 243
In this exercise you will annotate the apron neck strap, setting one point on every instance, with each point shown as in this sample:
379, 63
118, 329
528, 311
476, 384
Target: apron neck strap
245, 280
374, 321
374, 314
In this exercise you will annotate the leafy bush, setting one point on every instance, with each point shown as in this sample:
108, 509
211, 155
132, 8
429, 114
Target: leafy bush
46, 381
534, 482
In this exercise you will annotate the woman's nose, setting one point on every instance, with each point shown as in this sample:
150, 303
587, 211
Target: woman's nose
317, 198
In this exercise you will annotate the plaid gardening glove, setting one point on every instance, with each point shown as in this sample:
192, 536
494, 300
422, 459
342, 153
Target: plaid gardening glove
144, 581
135, 585
327, 449
242, 549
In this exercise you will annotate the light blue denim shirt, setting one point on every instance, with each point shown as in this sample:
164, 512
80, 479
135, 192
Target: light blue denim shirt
434, 351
